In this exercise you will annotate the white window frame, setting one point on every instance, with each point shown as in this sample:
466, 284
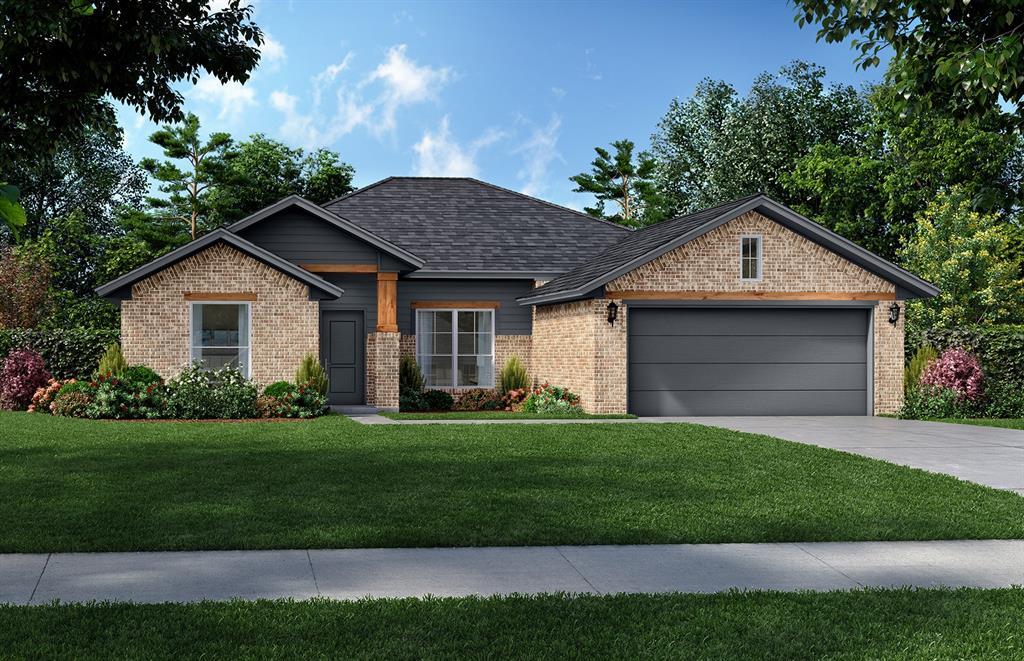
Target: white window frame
247, 346
455, 345
760, 257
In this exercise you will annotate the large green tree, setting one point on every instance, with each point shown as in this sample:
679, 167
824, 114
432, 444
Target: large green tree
192, 166
718, 145
629, 185
958, 57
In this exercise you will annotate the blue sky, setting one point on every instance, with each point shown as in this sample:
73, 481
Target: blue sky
514, 93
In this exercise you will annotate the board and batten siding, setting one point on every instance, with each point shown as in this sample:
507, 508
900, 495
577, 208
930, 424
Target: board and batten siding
299, 236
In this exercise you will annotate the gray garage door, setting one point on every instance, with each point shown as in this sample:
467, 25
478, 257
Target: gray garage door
748, 361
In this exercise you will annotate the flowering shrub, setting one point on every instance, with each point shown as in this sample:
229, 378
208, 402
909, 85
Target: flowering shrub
43, 397
957, 370
513, 399
552, 399
72, 404
21, 375
224, 393
287, 400
119, 398
478, 399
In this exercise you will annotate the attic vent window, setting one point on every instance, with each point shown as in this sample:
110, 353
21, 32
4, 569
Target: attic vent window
750, 258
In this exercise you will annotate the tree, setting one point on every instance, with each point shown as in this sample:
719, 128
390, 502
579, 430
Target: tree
24, 285
618, 179
959, 57
963, 253
717, 146
207, 163
264, 170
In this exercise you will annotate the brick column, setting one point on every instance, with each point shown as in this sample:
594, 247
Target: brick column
382, 354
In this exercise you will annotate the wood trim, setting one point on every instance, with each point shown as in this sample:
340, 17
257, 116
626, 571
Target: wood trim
339, 268
751, 295
387, 302
219, 296
455, 304
387, 275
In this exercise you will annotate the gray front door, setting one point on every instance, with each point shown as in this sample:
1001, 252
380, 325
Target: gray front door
748, 361
341, 346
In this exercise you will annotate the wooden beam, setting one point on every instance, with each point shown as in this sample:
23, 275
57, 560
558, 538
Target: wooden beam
387, 302
751, 295
455, 304
339, 268
219, 296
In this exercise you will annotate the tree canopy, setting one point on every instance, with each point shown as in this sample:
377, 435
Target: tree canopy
616, 178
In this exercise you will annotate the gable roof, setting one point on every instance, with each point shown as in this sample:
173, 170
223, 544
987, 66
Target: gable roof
115, 288
651, 242
343, 224
466, 225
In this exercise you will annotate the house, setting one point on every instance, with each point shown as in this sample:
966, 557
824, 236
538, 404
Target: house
747, 308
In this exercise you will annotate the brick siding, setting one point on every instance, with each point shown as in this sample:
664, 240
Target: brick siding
382, 355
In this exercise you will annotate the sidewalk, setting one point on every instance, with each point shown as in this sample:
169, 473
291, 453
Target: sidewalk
355, 573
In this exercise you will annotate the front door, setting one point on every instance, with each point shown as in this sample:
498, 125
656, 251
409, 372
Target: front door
341, 346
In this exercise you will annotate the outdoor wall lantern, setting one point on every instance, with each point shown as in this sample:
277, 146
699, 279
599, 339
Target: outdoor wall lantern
894, 313
613, 313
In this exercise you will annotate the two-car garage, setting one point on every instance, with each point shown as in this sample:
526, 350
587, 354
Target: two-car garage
692, 361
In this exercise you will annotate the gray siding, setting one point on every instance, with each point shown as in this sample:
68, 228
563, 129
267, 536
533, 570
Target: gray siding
360, 294
299, 236
510, 319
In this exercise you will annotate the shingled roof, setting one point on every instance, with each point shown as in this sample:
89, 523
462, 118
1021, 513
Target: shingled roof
651, 242
463, 224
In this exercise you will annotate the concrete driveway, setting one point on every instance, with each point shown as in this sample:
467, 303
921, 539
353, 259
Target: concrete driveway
987, 455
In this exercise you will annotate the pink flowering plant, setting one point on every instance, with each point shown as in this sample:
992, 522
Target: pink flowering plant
957, 370
21, 375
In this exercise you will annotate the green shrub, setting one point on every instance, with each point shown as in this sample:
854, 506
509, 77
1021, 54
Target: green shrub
912, 372
928, 402
113, 361
411, 401
999, 346
72, 404
223, 393
67, 352
116, 398
280, 389
1004, 400
234, 395
513, 376
438, 400
141, 374
410, 377
78, 386
312, 372
552, 399
479, 399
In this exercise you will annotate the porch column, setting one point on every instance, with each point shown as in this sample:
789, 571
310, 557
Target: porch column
387, 302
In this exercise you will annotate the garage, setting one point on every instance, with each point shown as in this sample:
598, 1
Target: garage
748, 361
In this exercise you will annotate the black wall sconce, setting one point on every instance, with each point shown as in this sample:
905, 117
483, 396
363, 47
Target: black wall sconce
613, 312
894, 313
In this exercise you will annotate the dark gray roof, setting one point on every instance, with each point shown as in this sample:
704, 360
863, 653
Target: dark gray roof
463, 224
121, 287
651, 242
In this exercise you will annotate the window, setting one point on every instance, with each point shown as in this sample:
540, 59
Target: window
220, 335
750, 258
455, 348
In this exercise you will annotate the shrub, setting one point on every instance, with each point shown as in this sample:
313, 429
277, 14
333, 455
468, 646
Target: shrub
1000, 347
438, 400
73, 404
912, 372
140, 374
43, 397
118, 398
74, 385
411, 401
112, 362
300, 401
513, 399
410, 377
190, 394
478, 399
552, 399
513, 376
280, 389
1003, 399
958, 370
234, 395
21, 375
936, 402
67, 353
312, 373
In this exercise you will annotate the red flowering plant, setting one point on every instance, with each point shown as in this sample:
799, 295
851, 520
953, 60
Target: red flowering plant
42, 400
552, 399
21, 375
513, 399
958, 370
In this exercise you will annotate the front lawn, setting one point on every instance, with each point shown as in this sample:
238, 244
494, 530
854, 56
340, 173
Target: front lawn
1007, 423
503, 415
865, 624
82, 485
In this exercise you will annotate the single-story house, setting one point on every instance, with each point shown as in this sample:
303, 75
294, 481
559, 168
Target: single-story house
744, 308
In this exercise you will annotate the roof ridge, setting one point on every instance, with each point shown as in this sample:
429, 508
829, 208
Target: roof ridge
542, 201
356, 191
733, 202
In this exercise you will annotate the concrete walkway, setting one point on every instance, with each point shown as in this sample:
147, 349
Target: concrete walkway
355, 573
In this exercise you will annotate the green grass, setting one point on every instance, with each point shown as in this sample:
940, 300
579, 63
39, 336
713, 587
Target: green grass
1007, 423
866, 624
84, 485
504, 415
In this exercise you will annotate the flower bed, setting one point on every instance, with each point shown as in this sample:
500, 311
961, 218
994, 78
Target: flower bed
955, 385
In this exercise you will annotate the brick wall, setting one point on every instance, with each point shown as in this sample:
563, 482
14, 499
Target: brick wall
285, 323
888, 359
382, 355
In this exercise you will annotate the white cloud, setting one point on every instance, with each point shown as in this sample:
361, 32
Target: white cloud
326, 78
405, 83
558, 93
311, 130
439, 155
232, 97
538, 152
272, 52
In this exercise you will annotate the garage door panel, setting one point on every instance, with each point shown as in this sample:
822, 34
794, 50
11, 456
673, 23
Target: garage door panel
757, 376
745, 321
766, 402
753, 349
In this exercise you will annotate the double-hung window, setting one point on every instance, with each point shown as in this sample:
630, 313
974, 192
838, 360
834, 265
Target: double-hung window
455, 348
220, 335
750, 257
